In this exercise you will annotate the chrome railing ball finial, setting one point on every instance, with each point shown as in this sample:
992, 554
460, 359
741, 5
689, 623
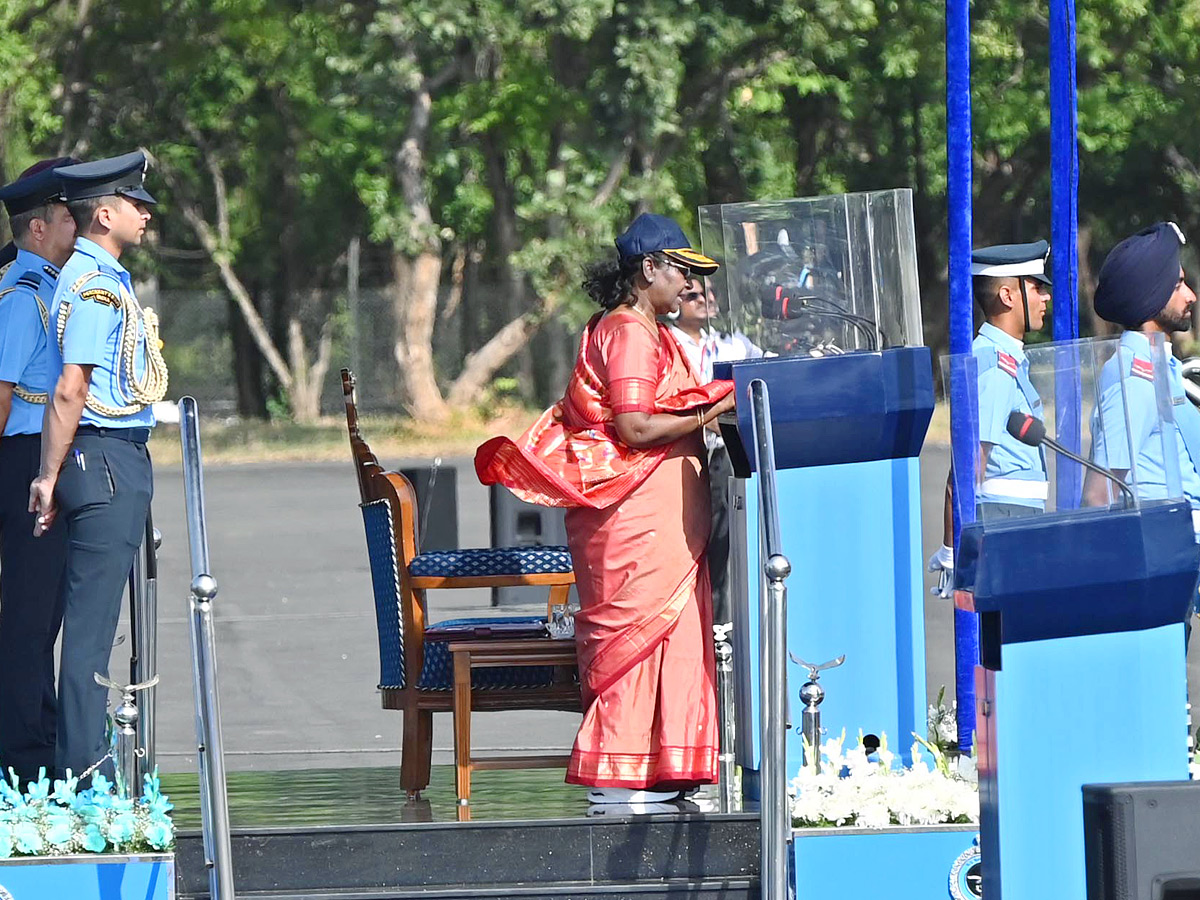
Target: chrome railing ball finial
778, 568
204, 587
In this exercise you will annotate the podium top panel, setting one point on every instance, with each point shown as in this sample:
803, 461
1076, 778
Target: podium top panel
1071, 426
818, 276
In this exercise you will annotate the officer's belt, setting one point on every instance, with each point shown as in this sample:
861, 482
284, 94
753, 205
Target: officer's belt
133, 435
1016, 488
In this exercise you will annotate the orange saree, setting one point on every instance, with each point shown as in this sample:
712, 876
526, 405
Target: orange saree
637, 525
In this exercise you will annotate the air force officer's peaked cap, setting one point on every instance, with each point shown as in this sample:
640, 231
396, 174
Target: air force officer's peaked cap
38, 184
1012, 261
1139, 275
117, 175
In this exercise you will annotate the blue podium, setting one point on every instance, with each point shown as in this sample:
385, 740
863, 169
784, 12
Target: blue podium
1082, 676
852, 531
826, 287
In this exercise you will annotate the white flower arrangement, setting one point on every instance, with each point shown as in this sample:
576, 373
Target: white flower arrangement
943, 722
852, 789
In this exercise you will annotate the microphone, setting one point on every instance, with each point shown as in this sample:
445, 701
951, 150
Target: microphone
1031, 431
782, 308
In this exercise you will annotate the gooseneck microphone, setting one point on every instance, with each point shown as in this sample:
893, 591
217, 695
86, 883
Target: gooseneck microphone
1031, 431
784, 308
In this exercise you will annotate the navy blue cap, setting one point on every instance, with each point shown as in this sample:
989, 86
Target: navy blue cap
105, 177
37, 185
1012, 261
649, 233
1139, 276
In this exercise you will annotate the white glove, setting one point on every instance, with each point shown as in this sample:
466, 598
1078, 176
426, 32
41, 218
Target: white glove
942, 562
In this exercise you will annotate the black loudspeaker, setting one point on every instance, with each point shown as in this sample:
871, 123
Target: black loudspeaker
1142, 840
437, 506
516, 523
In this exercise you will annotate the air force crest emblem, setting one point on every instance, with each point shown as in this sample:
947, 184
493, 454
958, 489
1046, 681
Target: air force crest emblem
966, 875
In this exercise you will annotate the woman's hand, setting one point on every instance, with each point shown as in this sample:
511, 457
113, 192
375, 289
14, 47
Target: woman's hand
724, 405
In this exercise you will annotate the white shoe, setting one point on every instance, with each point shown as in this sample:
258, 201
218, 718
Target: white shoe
631, 809
629, 795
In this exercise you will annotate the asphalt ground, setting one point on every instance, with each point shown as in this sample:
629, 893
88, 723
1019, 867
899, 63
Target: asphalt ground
297, 651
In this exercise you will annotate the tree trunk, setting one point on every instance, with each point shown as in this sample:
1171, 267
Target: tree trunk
305, 395
247, 367
415, 286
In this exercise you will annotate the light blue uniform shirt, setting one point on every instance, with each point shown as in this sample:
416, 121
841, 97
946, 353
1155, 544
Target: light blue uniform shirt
24, 354
1133, 369
1004, 388
92, 333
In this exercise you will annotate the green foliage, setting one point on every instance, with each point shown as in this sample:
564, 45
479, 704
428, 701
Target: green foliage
550, 122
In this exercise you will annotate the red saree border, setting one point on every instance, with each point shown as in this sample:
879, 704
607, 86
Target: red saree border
662, 768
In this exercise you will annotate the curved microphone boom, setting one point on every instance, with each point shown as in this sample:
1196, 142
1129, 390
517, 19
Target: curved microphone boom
1031, 431
783, 308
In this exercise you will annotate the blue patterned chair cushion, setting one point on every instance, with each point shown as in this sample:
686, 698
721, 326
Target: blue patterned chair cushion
496, 561
385, 582
438, 672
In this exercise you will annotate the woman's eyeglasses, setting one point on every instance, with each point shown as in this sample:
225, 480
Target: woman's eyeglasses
694, 297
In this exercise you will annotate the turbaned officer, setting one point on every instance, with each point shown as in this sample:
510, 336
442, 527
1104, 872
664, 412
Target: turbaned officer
30, 568
95, 469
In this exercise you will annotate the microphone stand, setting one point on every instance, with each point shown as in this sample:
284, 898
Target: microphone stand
1088, 464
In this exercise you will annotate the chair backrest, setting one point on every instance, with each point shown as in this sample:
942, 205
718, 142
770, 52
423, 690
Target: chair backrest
365, 463
389, 509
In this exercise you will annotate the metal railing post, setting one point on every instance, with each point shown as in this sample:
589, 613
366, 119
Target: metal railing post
143, 661
727, 759
776, 829
210, 754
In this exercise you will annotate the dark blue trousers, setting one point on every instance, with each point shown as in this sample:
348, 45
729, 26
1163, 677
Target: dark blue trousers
30, 616
103, 494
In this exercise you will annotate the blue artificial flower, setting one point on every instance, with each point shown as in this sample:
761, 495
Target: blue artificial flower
64, 790
93, 839
10, 792
6, 841
27, 838
59, 831
101, 785
122, 828
40, 789
160, 834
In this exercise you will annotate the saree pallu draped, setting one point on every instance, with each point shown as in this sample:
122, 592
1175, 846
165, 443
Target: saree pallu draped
637, 526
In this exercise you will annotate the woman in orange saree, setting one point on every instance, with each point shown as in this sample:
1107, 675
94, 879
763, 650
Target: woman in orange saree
624, 451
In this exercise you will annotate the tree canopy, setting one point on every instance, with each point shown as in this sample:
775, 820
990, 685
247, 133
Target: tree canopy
478, 152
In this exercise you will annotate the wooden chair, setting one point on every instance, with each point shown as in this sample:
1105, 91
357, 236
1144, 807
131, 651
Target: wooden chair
417, 676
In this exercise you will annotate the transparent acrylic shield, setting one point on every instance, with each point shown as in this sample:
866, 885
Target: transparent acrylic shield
1107, 402
818, 276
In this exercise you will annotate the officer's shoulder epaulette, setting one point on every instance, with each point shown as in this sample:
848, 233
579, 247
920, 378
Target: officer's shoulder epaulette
1142, 368
29, 279
988, 358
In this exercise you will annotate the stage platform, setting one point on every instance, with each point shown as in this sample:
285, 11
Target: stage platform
350, 834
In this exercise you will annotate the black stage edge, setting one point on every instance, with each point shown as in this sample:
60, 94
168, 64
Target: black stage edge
697, 856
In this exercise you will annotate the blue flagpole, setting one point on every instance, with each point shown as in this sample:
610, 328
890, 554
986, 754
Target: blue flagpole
1064, 233
958, 202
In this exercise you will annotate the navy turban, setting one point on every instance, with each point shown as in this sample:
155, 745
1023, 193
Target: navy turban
1139, 275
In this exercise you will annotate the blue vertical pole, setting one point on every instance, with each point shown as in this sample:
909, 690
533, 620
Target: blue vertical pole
958, 202
1064, 190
